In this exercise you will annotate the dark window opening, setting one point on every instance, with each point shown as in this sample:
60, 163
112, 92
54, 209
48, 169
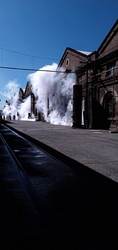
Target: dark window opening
109, 105
67, 62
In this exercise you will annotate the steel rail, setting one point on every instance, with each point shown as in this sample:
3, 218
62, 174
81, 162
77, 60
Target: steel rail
26, 179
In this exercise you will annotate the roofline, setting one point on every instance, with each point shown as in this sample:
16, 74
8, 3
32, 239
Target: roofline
115, 24
73, 50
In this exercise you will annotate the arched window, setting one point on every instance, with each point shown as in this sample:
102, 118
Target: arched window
109, 104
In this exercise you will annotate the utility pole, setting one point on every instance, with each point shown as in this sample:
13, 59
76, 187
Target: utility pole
86, 98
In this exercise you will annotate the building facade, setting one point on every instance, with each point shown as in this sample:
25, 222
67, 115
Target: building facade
105, 88
96, 83
95, 92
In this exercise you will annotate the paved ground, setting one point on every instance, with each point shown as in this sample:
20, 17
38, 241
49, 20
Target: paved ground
82, 204
97, 149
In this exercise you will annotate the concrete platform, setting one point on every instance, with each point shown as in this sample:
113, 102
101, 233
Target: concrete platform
96, 149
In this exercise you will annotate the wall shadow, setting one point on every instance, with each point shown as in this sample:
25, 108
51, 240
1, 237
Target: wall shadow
100, 117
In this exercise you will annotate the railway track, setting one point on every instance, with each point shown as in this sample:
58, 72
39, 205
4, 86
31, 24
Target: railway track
49, 203
25, 214
40, 171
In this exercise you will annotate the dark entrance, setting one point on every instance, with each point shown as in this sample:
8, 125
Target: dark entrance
109, 105
77, 105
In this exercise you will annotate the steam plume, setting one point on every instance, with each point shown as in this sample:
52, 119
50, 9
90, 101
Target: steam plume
54, 91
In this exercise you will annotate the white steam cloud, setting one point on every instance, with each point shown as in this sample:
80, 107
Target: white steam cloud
53, 90
11, 94
11, 89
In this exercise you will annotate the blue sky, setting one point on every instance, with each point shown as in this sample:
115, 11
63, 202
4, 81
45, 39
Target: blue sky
39, 31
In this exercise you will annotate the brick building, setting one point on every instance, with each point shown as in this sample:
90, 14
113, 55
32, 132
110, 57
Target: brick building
105, 84
76, 61
95, 94
23, 94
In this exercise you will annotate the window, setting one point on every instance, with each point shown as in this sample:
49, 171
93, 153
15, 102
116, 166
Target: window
67, 62
109, 104
111, 69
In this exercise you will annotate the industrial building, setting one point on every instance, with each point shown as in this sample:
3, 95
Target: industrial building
96, 90
95, 93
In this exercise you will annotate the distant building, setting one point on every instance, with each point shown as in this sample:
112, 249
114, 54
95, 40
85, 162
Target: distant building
23, 94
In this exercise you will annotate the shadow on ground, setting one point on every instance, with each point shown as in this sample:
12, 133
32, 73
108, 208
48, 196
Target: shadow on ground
83, 212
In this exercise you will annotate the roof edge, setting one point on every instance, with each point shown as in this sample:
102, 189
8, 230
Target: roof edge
72, 50
105, 39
